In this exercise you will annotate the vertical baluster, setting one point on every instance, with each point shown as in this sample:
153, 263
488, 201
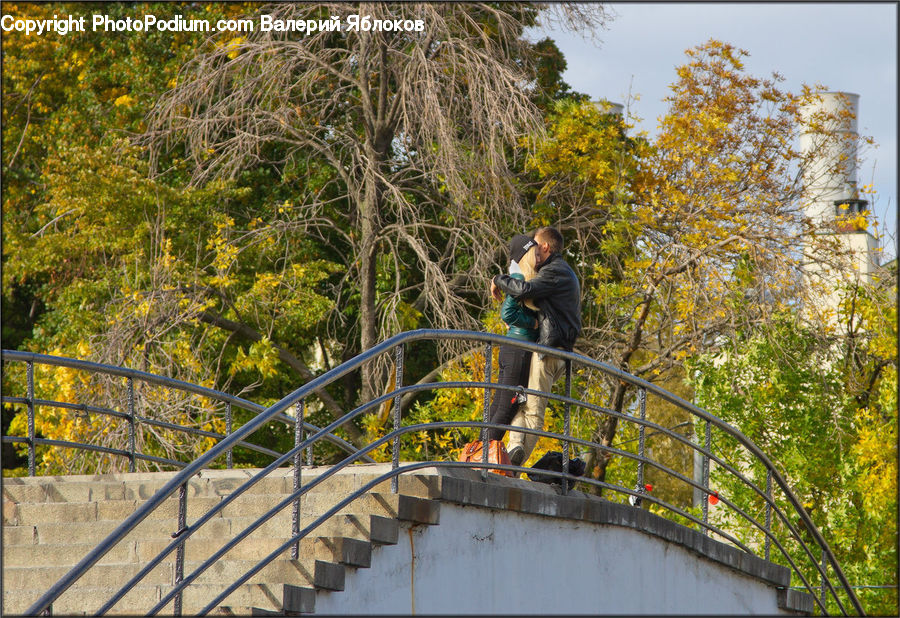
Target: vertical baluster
179, 552
567, 426
824, 566
768, 512
298, 464
29, 374
642, 399
131, 426
488, 361
708, 443
229, 458
398, 383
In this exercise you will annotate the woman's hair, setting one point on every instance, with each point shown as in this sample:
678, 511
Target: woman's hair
527, 265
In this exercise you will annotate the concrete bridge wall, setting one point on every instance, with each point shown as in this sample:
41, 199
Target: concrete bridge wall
496, 561
452, 542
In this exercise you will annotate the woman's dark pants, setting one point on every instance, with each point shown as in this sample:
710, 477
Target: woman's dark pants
514, 364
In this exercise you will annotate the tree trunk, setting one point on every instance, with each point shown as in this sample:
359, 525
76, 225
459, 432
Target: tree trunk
608, 429
373, 202
367, 312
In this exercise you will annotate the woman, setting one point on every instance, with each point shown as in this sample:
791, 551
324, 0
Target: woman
522, 324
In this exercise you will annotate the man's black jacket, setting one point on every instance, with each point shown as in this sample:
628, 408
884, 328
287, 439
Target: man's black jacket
556, 292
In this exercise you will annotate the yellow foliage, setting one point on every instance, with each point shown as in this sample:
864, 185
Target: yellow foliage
262, 357
126, 100
876, 450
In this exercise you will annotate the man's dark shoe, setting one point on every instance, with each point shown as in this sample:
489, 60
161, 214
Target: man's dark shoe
517, 456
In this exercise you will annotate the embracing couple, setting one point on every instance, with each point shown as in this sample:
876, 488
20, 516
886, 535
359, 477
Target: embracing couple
542, 304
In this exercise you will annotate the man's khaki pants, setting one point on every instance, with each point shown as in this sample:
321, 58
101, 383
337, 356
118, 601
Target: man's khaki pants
545, 371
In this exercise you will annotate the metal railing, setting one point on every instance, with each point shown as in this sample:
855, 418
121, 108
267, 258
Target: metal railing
131, 414
807, 558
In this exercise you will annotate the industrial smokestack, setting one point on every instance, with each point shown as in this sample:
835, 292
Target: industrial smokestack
831, 175
608, 107
829, 144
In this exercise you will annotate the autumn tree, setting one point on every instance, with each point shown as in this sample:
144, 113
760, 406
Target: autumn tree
685, 238
68, 101
824, 400
95, 252
248, 281
393, 144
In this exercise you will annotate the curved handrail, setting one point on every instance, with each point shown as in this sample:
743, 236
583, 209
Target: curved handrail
375, 403
408, 467
149, 378
398, 342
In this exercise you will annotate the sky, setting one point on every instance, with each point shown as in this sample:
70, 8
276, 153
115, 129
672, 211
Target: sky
847, 47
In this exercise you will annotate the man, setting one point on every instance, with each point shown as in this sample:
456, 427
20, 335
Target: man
556, 292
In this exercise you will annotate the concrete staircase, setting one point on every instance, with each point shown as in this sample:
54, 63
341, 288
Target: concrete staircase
51, 523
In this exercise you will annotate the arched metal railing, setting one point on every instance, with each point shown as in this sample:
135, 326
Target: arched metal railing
807, 558
131, 414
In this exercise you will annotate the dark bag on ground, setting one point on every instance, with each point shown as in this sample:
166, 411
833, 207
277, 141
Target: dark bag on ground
552, 460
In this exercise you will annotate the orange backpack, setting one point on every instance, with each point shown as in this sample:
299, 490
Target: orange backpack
496, 454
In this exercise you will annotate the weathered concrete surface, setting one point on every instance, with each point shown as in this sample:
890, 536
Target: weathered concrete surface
479, 561
463, 544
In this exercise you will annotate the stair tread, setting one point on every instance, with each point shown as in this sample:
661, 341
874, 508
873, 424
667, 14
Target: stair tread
88, 599
96, 508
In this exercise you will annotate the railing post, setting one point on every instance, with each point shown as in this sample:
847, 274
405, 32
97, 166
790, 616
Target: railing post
131, 428
179, 552
29, 373
642, 399
398, 383
824, 566
706, 478
229, 458
298, 464
567, 426
768, 512
488, 362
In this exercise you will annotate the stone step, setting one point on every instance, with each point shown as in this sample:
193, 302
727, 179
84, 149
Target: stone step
353, 525
209, 483
20, 535
79, 601
63, 554
278, 598
87, 488
51, 533
33, 513
90, 510
107, 515
380, 531
69, 554
280, 571
400, 506
386, 506
28, 513
351, 552
364, 526
107, 575
320, 565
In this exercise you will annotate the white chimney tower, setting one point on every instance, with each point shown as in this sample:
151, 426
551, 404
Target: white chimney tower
833, 193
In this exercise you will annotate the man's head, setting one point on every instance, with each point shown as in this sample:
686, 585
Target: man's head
549, 241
